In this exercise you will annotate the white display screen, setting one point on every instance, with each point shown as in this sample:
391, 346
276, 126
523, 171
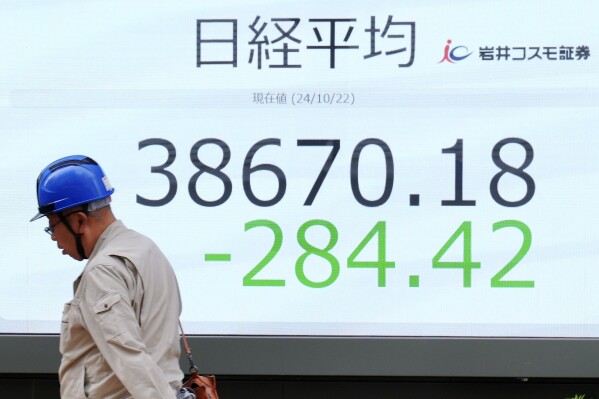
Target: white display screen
309, 168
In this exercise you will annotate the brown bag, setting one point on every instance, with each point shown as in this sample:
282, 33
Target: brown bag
204, 387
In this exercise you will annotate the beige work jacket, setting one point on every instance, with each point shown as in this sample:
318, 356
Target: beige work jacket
119, 336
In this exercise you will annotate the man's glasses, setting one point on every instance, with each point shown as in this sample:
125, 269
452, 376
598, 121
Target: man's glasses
50, 229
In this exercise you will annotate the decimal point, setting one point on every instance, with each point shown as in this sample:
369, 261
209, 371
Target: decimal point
414, 199
414, 281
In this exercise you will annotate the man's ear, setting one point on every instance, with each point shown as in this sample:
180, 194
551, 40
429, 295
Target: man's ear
81, 222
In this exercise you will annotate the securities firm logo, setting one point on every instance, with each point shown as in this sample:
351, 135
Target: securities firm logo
517, 53
455, 54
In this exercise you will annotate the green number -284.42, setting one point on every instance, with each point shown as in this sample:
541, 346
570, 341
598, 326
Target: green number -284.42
378, 234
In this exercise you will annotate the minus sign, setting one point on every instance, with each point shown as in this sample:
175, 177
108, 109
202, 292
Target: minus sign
217, 257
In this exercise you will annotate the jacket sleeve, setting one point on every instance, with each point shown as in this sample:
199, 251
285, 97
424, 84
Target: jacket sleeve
109, 316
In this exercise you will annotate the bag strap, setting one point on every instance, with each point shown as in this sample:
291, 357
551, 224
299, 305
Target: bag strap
192, 367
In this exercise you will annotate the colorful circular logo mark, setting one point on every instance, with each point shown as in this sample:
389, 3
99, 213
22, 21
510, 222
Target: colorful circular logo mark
455, 54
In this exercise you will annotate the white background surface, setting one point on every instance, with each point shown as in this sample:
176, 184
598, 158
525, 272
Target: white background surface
97, 78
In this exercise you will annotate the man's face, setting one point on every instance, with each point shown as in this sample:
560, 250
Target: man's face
65, 240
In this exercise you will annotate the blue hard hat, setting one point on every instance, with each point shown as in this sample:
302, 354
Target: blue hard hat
68, 182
